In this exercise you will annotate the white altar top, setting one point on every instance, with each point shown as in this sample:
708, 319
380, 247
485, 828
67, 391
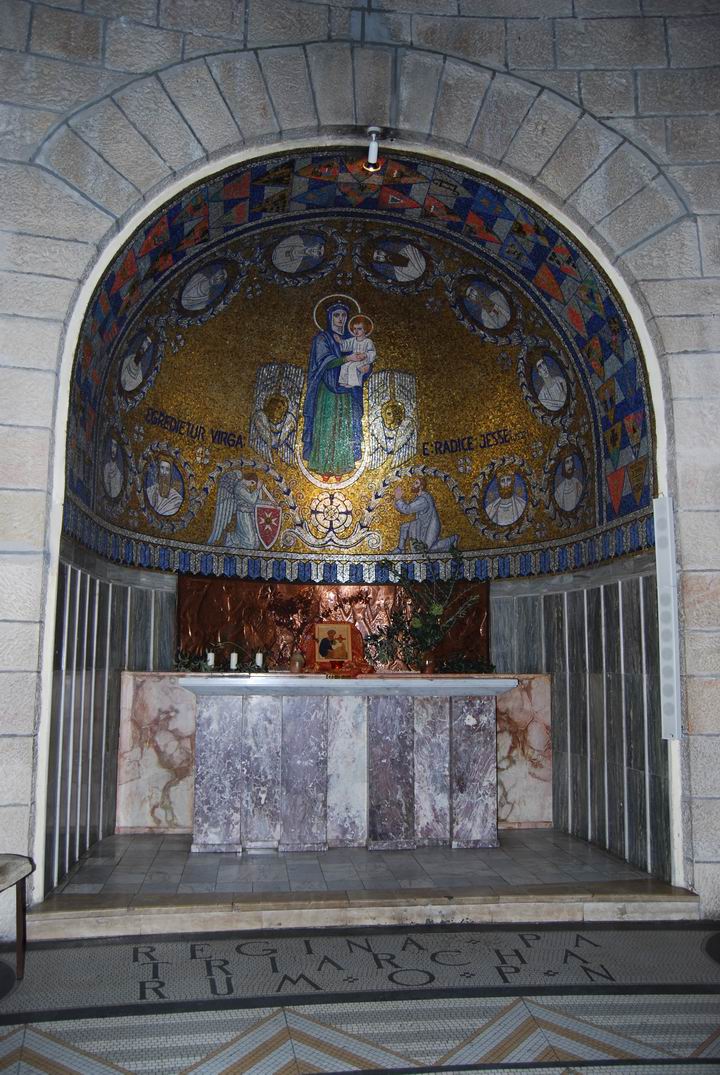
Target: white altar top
390, 684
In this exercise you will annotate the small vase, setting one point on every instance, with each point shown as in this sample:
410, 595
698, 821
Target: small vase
297, 663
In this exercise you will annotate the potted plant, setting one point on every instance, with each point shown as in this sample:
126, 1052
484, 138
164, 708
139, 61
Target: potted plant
412, 634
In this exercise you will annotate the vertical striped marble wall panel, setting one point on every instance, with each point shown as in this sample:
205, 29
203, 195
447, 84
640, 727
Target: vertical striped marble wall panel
108, 619
140, 630
554, 616
615, 721
56, 729
516, 633
503, 633
116, 663
597, 727
657, 748
164, 629
599, 642
577, 710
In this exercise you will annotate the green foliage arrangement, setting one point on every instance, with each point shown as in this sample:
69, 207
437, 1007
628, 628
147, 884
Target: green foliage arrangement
410, 638
190, 662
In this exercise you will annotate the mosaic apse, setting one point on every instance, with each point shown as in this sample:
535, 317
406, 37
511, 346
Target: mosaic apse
299, 369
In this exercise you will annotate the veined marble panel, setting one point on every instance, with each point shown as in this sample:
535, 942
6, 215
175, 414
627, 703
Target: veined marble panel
473, 772
397, 747
347, 762
261, 753
218, 773
303, 806
156, 756
390, 772
432, 770
524, 754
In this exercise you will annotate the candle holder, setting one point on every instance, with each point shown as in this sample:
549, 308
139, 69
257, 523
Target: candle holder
224, 655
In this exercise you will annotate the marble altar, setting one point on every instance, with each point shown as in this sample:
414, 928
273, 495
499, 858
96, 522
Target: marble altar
158, 746
262, 772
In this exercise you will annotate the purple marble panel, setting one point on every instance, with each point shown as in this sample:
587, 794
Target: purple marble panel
432, 770
303, 774
262, 728
391, 812
217, 812
347, 771
473, 772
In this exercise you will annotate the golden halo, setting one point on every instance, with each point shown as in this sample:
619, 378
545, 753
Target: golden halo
326, 299
365, 318
393, 414
156, 458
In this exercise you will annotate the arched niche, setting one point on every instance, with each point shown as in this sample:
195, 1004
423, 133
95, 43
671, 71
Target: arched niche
229, 277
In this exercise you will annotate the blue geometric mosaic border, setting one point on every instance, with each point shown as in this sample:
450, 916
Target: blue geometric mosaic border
632, 536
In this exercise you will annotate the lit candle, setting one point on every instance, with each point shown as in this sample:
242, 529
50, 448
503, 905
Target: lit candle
233, 662
210, 658
258, 659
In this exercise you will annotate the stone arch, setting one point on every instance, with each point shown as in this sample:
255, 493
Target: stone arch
121, 149
121, 154
621, 199
128, 226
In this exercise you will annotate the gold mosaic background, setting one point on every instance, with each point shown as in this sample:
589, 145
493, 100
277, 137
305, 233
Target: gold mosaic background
472, 380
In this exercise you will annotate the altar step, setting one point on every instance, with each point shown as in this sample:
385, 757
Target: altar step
110, 915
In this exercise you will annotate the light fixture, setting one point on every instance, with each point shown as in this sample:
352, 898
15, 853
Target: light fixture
371, 164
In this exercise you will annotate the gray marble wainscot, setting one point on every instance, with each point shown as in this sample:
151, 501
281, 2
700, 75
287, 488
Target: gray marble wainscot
347, 760
303, 774
390, 777
217, 811
432, 770
262, 726
474, 772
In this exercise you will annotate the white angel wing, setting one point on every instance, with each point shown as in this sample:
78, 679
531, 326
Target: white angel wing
293, 378
405, 441
286, 437
224, 507
261, 435
405, 389
378, 389
378, 450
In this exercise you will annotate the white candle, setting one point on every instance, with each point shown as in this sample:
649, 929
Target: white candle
233, 662
210, 658
258, 659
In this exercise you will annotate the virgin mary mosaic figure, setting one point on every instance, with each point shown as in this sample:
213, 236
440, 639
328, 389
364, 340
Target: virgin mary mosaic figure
332, 431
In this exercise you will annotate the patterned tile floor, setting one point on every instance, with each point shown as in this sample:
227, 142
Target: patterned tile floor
536, 1010
568, 1034
141, 865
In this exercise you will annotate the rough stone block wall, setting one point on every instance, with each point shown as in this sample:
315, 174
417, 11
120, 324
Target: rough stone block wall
605, 109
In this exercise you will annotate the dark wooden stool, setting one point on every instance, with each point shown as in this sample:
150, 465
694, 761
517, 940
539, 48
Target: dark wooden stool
13, 871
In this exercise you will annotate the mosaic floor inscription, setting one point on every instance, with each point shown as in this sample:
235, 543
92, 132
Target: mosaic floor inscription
640, 999
250, 968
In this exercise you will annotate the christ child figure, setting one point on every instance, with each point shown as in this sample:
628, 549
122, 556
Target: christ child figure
361, 351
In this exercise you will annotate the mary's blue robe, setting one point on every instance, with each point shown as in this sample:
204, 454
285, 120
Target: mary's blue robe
332, 431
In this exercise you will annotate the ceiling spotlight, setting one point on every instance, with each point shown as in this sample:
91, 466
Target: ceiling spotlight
371, 164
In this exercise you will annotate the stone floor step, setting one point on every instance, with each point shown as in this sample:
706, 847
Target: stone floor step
115, 915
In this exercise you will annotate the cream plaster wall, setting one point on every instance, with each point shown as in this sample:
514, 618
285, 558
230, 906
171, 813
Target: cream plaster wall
605, 111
